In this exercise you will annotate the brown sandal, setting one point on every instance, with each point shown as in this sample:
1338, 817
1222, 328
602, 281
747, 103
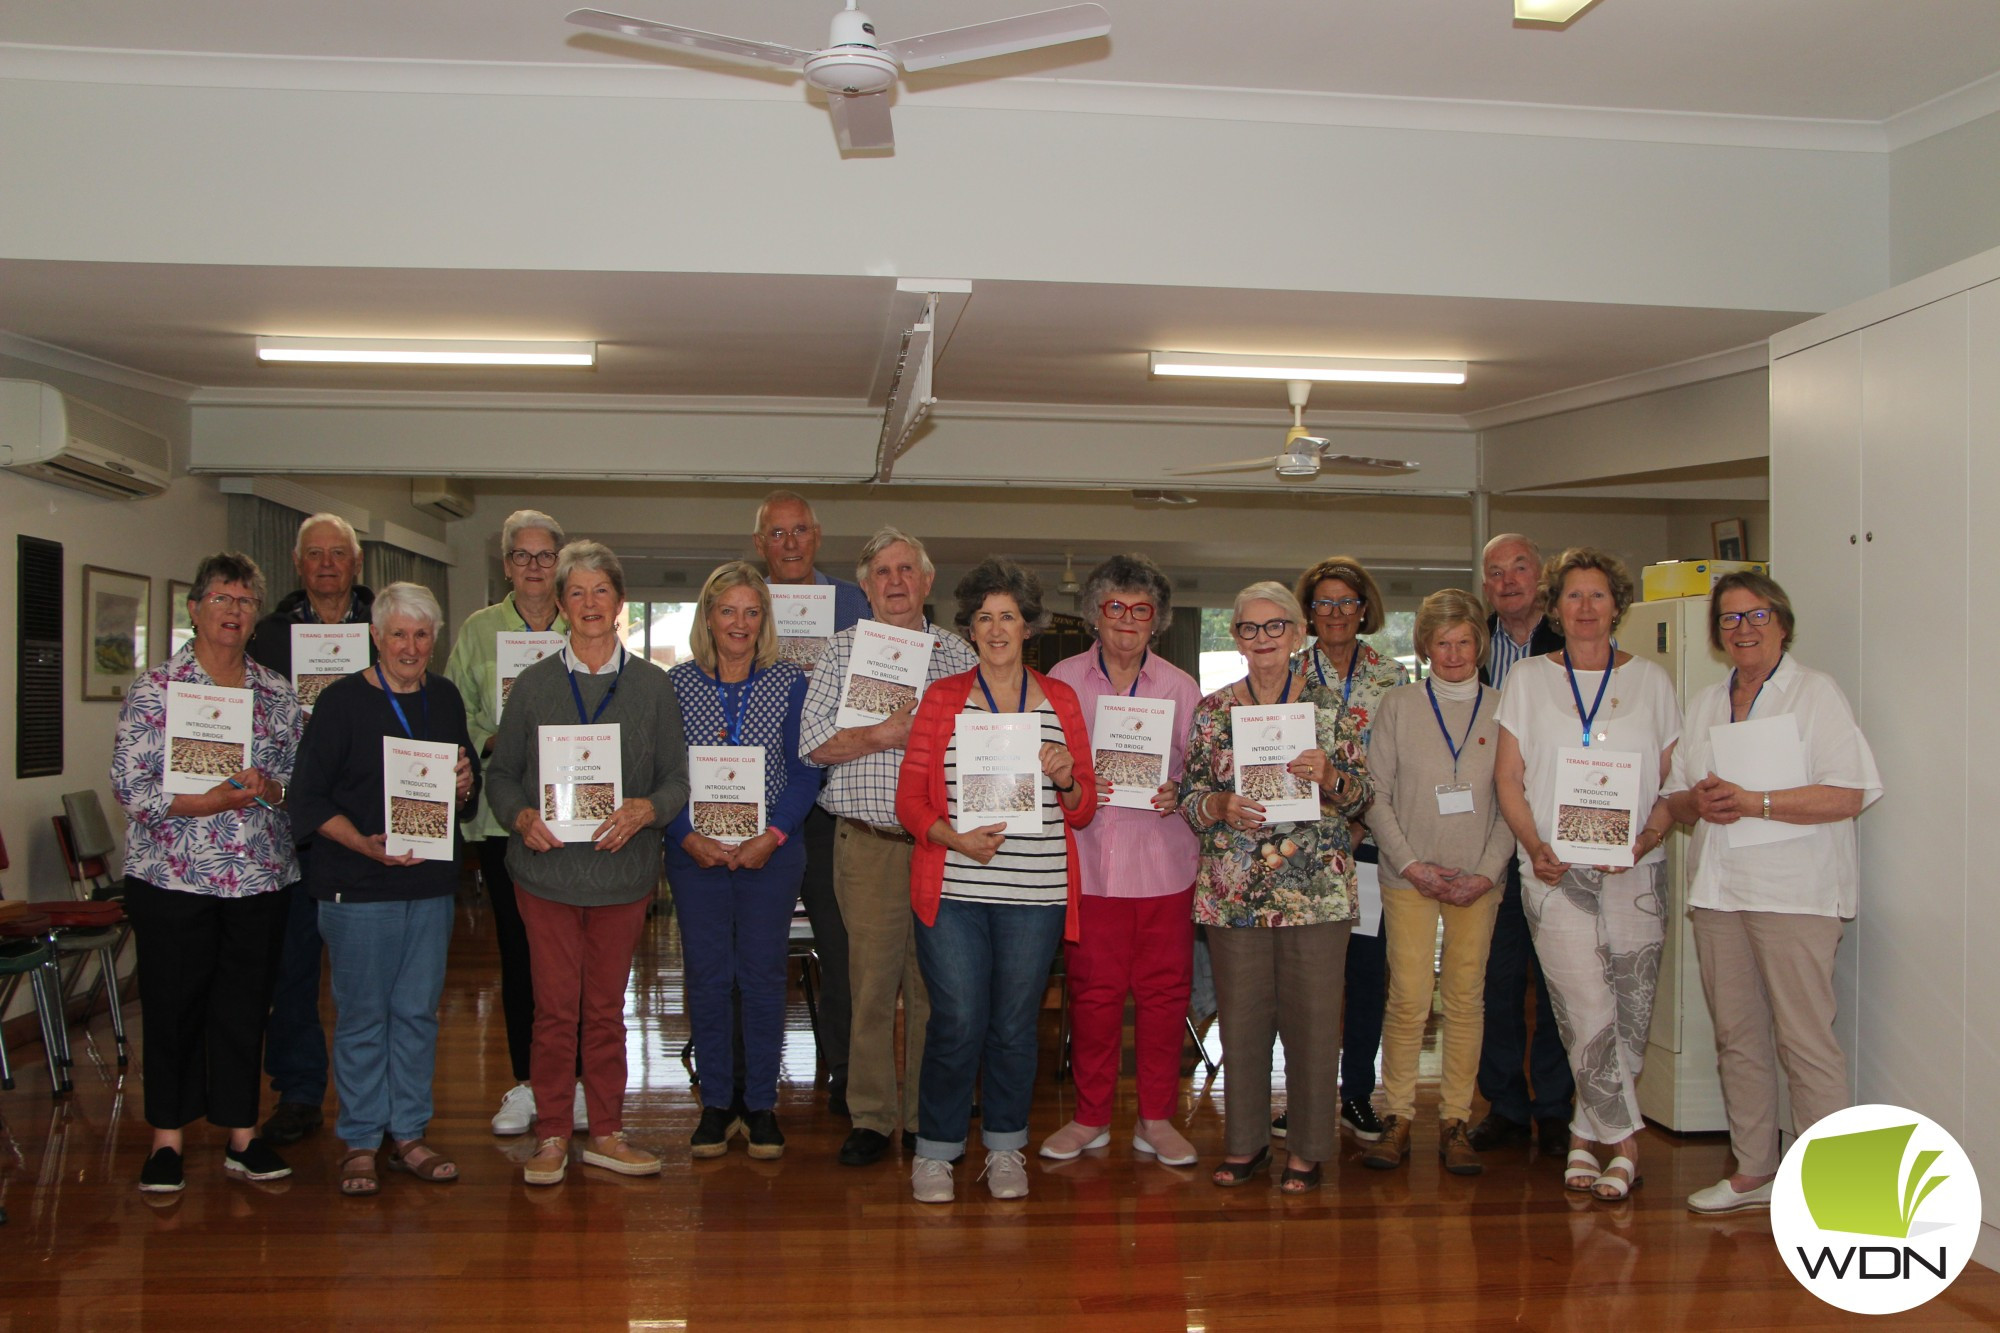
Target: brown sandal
357, 1173
422, 1161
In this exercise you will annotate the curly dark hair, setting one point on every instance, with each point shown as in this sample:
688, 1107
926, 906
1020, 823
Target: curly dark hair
999, 574
226, 567
1130, 573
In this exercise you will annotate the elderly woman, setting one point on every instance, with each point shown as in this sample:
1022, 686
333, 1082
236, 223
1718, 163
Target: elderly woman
991, 906
386, 918
1767, 910
1598, 929
1277, 898
1444, 847
529, 540
584, 901
202, 874
735, 886
1136, 923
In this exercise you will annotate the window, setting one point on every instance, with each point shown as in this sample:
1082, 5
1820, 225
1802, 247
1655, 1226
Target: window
1221, 663
658, 631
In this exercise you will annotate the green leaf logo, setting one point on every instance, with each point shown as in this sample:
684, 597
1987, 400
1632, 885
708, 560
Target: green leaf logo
1851, 1181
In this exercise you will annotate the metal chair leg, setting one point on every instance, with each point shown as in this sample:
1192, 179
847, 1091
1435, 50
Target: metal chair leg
109, 967
1200, 1047
54, 1048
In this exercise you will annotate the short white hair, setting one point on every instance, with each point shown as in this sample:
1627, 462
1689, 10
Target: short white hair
782, 498
412, 601
884, 538
1510, 539
335, 521
522, 520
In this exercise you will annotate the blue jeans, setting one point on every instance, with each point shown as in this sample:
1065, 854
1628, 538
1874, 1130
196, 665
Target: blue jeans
294, 1041
986, 967
388, 973
736, 928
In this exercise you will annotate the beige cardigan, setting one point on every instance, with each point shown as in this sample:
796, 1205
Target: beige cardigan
1408, 760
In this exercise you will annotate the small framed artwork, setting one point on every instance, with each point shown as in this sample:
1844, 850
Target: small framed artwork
115, 608
1729, 542
180, 625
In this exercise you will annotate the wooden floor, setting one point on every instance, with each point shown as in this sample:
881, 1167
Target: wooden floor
1108, 1241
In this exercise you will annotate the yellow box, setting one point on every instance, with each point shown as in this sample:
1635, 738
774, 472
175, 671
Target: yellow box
1692, 578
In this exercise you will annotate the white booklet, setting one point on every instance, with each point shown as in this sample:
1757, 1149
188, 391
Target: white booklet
1130, 740
1597, 815
514, 651
1763, 754
419, 791
1267, 737
582, 779
322, 654
726, 791
209, 729
1367, 898
802, 615
886, 671
999, 771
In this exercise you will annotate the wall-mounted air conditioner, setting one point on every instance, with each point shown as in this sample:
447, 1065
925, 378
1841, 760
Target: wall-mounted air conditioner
48, 434
439, 496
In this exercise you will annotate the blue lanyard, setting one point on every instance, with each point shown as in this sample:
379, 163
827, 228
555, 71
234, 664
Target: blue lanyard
1755, 697
1437, 712
990, 703
1319, 660
734, 702
603, 703
402, 718
1596, 703
1132, 693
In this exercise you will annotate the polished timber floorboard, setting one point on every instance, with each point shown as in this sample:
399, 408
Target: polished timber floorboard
1108, 1241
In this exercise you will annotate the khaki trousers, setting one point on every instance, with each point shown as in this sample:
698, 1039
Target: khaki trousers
1768, 977
1282, 982
1409, 928
871, 880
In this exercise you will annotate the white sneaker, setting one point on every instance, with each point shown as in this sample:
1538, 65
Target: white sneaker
517, 1111
930, 1180
1722, 1197
1006, 1174
579, 1113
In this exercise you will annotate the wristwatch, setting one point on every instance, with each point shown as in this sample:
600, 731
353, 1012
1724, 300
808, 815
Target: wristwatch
1767, 805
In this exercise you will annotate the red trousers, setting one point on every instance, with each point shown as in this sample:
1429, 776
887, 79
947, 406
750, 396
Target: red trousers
581, 958
1138, 946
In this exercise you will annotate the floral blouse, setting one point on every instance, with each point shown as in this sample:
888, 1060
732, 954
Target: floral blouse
1374, 676
231, 855
1283, 875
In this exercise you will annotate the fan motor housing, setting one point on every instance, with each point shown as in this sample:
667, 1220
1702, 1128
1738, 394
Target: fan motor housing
851, 69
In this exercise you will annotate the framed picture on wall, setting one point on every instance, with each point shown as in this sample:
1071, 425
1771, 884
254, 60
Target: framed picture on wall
115, 606
1729, 540
180, 632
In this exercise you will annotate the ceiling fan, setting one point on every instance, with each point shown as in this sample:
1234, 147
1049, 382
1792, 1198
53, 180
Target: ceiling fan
855, 70
1304, 453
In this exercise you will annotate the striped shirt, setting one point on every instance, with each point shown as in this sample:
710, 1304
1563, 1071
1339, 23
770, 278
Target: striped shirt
1029, 870
1504, 654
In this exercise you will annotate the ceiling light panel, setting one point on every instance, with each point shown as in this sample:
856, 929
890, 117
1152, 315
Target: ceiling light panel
1549, 11
1318, 369
426, 352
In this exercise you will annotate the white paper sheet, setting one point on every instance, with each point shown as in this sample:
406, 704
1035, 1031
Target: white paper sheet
419, 797
1267, 737
322, 654
1131, 739
1368, 898
1596, 806
1763, 754
514, 651
726, 791
999, 771
887, 670
209, 730
583, 779
802, 615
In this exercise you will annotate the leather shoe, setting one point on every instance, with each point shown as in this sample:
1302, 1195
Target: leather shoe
1456, 1154
1552, 1135
864, 1147
1497, 1131
291, 1122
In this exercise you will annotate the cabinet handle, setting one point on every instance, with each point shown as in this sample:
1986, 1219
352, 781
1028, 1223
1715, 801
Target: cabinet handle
1853, 539
1871, 536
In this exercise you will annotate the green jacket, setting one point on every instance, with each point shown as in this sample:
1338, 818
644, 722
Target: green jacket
472, 668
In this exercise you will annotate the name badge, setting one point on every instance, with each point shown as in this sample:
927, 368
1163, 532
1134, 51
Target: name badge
1454, 798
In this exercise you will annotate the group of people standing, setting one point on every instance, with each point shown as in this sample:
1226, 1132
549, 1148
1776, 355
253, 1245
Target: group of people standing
954, 919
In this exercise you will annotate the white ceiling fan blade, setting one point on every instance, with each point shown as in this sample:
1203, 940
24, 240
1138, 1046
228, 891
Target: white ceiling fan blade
861, 121
1026, 32
1358, 463
738, 48
1240, 465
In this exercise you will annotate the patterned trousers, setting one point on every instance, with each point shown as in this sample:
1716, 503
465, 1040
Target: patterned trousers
1599, 938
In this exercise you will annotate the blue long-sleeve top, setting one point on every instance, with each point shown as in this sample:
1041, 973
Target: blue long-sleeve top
771, 700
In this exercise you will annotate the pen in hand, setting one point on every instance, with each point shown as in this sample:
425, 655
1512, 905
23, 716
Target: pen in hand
258, 799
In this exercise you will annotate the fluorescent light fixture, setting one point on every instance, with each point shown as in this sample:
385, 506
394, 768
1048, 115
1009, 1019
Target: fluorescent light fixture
1549, 11
426, 352
1323, 369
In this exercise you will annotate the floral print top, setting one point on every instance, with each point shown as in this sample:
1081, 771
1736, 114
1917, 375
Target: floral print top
1283, 875
231, 855
1374, 676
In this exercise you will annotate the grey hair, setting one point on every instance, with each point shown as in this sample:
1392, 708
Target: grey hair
523, 520
884, 538
412, 601
1130, 573
593, 556
782, 497
1509, 539
226, 567
345, 528
1270, 590
1001, 575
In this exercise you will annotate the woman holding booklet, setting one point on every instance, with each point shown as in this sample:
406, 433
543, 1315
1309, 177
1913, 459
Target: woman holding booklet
1587, 736
995, 781
1135, 917
734, 857
205, 746
589, 766
1771, 773
385, 767
1274, 774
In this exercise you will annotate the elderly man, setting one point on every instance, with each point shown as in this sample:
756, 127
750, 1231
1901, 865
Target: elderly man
787, 539
327, 556
1522, 1086
871, 857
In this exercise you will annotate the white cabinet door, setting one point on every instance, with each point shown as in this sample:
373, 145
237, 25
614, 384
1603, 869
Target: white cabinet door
1981, 1135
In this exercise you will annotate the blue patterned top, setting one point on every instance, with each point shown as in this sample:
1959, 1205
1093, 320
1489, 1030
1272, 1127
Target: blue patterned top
230, 855
770, 719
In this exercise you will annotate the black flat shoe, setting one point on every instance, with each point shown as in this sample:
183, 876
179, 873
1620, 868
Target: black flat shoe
1552, 1135
1231, 1174
1358, 1117
864, 1147
711, 1136
1497, 1131
1294, 1181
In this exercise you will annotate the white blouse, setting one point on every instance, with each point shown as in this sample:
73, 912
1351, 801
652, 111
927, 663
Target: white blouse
1814, 875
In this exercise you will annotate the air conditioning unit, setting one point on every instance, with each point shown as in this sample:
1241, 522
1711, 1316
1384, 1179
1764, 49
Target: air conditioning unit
437, 495
48, 434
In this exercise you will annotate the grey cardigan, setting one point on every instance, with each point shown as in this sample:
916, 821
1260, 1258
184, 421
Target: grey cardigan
1409, 760
652, 754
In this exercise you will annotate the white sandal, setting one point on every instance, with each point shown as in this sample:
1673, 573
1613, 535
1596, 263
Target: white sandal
1582, 1162
1612, 1188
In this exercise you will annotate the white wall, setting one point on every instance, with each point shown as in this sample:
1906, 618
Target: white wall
1944, 198
1715, 422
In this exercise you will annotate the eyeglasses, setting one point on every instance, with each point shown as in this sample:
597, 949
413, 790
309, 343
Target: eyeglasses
798, 533
1338, 606
1116, 610
539, 559
222, 601
1248, 630
1731, 619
